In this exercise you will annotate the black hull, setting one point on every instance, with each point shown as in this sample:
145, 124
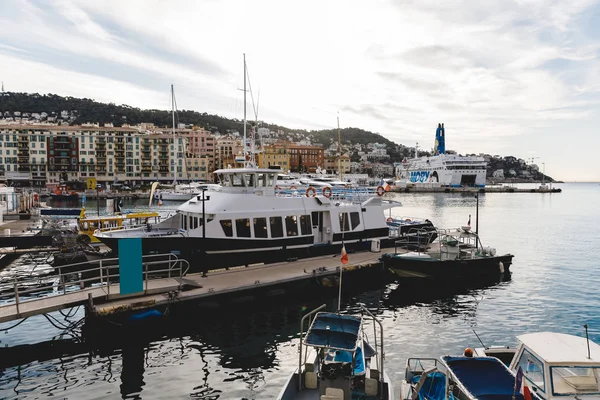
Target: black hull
431, 269
209, 254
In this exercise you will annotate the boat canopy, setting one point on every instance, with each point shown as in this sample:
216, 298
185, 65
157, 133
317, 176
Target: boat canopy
334, 331
486, 378
561, 348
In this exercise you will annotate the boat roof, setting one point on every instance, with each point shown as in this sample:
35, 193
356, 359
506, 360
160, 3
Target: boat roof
474, 374
560, 348
334, 331
247, 171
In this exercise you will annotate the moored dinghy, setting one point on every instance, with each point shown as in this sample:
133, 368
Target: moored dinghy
336, 361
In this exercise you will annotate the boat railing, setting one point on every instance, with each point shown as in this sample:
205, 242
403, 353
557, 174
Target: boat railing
417, 236
310, 317
353, 195
378, 346
87, 275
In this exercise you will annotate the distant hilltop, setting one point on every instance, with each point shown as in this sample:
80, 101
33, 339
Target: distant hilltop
357, 143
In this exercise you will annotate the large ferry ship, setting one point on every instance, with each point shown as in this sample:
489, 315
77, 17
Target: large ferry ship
442, 169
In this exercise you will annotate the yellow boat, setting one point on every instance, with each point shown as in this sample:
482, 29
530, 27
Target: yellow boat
87, 226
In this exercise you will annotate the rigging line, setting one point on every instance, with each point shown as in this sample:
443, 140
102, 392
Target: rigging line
254, 106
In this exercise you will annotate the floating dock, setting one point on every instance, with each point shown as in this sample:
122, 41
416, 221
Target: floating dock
241, 283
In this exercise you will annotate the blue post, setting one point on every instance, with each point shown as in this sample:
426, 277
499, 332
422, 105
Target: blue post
131, 277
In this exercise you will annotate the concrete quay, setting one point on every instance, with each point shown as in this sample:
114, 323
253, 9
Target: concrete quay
487, 189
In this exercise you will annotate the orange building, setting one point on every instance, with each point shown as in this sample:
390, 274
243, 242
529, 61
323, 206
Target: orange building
305, 158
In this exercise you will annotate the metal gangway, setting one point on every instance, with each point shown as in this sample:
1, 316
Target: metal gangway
72, 285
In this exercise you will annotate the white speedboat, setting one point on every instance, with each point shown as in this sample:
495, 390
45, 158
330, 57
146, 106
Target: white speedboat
245, 220
337, 361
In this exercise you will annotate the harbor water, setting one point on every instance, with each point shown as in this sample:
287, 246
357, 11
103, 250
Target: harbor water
248, 350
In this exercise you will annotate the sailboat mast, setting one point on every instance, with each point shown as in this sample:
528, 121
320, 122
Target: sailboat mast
173, 134
339, 148
244, 143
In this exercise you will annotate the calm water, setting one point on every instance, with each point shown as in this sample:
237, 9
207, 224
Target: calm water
249, 354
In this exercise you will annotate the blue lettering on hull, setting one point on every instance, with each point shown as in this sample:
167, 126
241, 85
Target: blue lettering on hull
419, 176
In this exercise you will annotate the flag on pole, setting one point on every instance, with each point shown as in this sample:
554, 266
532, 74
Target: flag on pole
344, 255
527, 393
518, 380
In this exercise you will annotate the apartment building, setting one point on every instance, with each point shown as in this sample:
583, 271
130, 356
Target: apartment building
305, 158
275, 154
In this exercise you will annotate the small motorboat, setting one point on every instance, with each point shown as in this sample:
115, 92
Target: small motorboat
460, 378
337, 361
457, 255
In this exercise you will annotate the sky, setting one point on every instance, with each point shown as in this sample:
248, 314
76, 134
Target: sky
518, 78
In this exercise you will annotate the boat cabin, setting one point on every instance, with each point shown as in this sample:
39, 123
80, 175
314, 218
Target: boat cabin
247, 178
557, 365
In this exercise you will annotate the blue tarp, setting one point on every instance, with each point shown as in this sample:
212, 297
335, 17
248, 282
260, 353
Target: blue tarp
434, 387
334, 331
484, 377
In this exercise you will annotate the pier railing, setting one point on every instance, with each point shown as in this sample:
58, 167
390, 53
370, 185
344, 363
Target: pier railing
86, 276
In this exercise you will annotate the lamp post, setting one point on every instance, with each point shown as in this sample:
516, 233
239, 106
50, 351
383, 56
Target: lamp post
98, 199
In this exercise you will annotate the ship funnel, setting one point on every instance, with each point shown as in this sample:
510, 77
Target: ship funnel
440, 140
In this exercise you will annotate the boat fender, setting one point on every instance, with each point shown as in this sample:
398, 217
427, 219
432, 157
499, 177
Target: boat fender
311, 192
327, 191
501, 266
389, 219
380, 191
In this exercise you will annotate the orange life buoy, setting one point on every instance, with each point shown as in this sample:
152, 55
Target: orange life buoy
380, 191
407, 220
327, 191
310, 190
389, 219
293, 187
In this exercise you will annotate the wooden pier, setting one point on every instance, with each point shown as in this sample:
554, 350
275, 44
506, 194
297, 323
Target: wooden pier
106, 300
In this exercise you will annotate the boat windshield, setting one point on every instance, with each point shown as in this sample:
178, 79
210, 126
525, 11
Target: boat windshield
575, 380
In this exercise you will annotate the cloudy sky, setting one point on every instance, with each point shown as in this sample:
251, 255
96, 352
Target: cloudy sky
506, 77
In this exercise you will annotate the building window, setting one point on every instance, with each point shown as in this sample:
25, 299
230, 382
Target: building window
276, 227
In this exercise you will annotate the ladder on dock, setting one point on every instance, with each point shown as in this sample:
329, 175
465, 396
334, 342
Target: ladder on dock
77, 284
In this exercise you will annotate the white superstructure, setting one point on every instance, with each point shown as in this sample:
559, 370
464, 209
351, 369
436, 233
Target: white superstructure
442, 169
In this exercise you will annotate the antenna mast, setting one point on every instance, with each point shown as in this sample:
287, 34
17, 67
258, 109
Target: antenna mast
244, 144
339, 147
173, 134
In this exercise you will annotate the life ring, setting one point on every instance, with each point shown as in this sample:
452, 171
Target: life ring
389, 219
380, 191
293, 188
310, 190
326, 191
408, 220
277, 188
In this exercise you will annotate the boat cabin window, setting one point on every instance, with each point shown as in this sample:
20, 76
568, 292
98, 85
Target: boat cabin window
238, 180
315, 219
533, 369
305, 227
184, 219
242, 227
276, 227
271, 179
291, 225
260, 228
227, 227
354, 219
575, 380
344, 222
249, 180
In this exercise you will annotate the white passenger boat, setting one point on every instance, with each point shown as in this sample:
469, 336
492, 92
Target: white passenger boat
245, 220
441, 169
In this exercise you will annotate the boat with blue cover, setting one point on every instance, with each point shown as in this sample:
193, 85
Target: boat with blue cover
464, 378
337, 359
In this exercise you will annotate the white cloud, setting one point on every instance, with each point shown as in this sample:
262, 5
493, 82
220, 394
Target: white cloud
488, 70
